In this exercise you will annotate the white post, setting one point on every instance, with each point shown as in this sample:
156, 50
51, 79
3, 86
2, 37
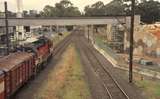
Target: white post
51, 29
20, 29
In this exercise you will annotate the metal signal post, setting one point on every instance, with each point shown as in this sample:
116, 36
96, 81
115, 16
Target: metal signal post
131, 42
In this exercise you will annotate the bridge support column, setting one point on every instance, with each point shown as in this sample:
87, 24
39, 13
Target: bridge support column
20, 33
106, 32
57, 29
86, 31
50, 29
88, 35
92, 34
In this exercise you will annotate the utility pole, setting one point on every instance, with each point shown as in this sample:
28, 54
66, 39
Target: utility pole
6, 26
131, 42
88, 33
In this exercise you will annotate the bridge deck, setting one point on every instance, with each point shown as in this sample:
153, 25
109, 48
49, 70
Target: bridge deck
65, 21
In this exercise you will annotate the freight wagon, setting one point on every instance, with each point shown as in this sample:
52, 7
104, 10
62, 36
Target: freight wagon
19, 67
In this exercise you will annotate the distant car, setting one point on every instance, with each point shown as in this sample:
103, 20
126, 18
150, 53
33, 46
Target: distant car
60, 34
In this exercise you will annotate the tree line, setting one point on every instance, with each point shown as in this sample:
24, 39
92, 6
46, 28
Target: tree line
62, 9
148, 9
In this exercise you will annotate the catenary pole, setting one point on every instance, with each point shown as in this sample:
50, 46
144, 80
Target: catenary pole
6, 27
131, 42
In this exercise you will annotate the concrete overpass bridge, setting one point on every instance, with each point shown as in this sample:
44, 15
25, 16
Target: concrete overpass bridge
69, 21
66, 21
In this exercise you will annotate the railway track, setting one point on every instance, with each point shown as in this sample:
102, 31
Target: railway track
96, 88
57, 52
112, 88
105, 86
60, 47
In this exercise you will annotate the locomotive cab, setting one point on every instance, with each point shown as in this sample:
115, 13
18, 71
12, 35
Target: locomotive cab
42, 48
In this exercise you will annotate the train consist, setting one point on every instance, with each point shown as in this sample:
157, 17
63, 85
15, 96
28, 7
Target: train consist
18, 68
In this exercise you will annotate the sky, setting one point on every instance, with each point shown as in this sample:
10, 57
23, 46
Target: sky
39, 4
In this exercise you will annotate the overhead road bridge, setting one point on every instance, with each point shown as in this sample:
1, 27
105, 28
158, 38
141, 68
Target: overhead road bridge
68, 21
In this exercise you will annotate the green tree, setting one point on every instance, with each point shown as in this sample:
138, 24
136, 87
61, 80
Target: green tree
115, 7
96, 9
149, 10
62, 9
48, 11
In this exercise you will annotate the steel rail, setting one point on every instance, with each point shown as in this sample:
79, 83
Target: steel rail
102, 83
116, 83
59, 48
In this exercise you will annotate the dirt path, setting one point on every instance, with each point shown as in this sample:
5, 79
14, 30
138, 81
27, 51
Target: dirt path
65, 80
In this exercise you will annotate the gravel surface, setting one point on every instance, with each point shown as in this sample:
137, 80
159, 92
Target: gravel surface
130, 89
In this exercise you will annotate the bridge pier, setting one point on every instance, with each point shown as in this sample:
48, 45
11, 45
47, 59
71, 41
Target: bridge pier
92, 33
57, 29
51, 29
89, 32
20, 33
